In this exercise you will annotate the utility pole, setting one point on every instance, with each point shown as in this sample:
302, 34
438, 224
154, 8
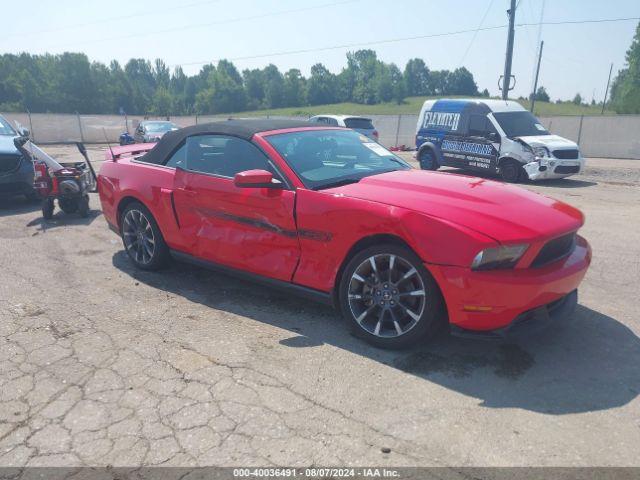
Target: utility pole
606, 91
506, 78
535, 82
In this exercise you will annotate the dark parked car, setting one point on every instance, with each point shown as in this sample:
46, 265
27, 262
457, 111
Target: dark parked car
16, 172
151, 131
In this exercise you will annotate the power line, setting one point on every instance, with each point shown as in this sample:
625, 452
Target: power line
475, 34
111, 19
347, 45
217, 22
578, 22
402, 39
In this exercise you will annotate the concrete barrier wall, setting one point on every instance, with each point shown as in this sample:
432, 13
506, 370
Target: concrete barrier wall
607, 136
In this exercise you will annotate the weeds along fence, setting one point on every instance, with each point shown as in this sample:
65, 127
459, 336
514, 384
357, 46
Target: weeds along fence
606, 136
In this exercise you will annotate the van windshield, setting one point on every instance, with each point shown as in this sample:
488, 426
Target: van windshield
520, 124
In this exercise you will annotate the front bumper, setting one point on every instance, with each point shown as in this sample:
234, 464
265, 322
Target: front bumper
484, 301
528, 323
550, 168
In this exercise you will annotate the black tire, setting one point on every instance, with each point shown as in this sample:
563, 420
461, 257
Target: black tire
139, 250
83, 206
427, 159
511, 171
69, 205
47, 208
388, 287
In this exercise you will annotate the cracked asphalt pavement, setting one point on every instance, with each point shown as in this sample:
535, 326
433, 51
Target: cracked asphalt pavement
101, 364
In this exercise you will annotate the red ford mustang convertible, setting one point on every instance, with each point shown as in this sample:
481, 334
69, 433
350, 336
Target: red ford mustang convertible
330, 214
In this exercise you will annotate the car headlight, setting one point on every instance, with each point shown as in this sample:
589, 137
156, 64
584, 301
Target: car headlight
541, 152
504, 256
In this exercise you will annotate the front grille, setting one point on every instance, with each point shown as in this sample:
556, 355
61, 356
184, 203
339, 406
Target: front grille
571, 154
567, 169
555, 250
9, 163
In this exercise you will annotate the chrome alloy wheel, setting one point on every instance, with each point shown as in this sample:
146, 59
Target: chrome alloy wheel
138, 236
386, 295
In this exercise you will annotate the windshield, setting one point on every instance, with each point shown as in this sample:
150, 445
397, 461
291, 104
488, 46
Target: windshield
520, 124
5, 128
160, 127
328, 158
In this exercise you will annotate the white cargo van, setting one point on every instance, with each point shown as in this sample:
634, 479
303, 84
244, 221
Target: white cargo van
497, 136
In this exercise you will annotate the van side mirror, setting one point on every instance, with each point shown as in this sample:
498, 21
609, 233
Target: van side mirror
24, 132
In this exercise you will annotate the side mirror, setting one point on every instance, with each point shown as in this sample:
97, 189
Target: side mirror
255, 179
24, 132
493, 136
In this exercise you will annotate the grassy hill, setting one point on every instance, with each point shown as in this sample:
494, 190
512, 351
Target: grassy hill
412, 105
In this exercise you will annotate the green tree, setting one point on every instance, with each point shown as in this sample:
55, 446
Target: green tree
228, 90
541, 95
254, 86
365, 66
295, 88
322, 86
274, 96
577, 100
625, 90
416, 76
461, 82
162, 103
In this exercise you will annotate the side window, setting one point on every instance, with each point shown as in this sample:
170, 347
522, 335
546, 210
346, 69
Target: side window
178, 159
478, 126
332, 121
225, 156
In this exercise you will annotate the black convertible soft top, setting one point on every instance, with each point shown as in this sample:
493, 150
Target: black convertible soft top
237, 128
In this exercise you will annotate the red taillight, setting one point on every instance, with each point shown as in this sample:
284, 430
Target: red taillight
375, 133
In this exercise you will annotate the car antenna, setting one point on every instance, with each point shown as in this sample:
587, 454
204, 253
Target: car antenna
104, 132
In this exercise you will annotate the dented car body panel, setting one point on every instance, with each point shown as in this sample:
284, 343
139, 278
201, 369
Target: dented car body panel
303, 235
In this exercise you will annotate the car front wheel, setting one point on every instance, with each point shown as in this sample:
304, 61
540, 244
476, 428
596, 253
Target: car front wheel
142, 238
389, 298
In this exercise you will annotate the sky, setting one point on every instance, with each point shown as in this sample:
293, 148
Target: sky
254, 33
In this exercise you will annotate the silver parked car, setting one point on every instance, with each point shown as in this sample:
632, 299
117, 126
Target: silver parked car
361, 125
150, 131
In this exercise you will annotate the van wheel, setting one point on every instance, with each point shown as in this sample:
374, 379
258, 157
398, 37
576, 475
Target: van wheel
511, 171
428, 160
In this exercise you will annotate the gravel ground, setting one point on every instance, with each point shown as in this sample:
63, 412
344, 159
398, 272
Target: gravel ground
101, 364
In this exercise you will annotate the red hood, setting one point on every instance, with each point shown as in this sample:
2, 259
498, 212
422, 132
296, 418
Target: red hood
503, 212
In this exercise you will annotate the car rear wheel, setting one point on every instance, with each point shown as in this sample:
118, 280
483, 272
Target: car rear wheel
142, 238
428, 160
389, 298
511, 171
